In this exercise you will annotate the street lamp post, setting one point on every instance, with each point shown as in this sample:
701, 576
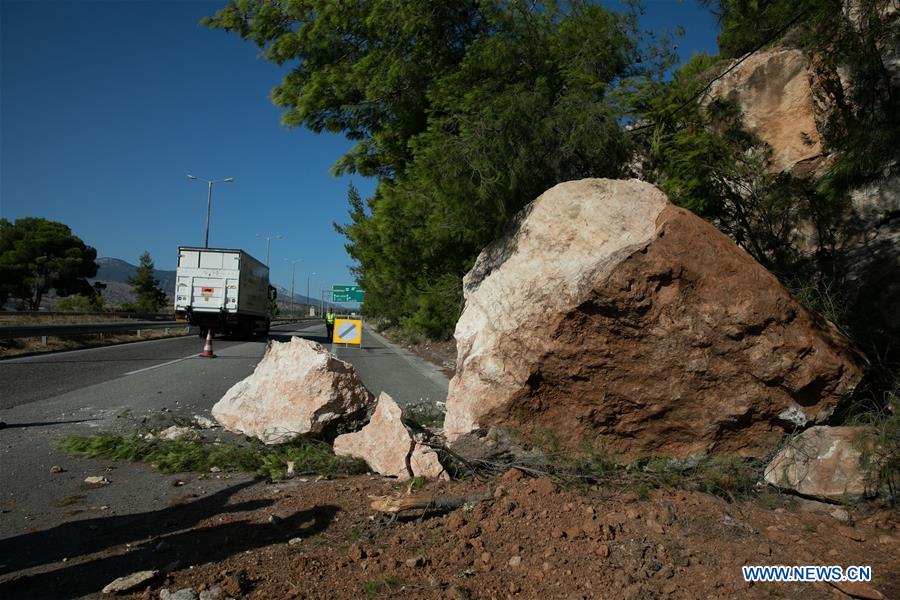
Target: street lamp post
269, 239
293, 269
308, 275
209, 183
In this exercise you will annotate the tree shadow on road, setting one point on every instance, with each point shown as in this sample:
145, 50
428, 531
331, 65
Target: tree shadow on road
169, 527
87, 536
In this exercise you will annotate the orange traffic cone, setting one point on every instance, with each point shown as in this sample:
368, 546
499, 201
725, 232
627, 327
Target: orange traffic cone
207, 347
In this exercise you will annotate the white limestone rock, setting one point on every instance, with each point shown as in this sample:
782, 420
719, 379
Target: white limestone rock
297, 388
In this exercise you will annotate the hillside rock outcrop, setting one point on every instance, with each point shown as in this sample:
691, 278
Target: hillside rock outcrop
789, 100
388, 446
297, 388
775, 93
608, 314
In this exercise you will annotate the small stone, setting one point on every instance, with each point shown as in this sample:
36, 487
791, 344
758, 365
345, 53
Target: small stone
177, 483
840, 514
215, 593
204, 422
415, 562
96, 480
57, 469
515, 561
289, 467
858, 589
603, 550
295, 541
129, 582
457, 592
215, 470
356, 552
486, 557
176, 432
182, 594
273, 520
666, 572
851, 533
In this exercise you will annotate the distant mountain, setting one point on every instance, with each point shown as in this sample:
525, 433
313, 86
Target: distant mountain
117, 270
114, 272
284, 300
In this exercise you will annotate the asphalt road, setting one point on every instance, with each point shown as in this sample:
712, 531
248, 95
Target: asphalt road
43, 376
104, 389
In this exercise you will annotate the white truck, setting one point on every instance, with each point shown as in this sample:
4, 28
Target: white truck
224, 290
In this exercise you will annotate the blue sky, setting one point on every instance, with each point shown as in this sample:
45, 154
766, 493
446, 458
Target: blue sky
106, 106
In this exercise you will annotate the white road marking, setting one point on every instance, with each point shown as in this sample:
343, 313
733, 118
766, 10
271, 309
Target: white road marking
171, 362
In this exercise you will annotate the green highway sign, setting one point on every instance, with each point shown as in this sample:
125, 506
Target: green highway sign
347, 293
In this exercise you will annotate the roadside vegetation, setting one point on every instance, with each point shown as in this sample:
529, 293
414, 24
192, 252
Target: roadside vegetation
305, 457
729, 477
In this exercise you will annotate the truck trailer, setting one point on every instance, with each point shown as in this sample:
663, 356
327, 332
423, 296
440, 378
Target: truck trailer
225, 290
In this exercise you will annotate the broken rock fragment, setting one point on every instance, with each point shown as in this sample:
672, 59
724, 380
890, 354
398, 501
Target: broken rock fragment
388, 447
129, 582
297, 388
822, 462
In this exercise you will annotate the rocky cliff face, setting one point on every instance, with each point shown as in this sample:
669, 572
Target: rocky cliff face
788, 100
775, 93
608, 314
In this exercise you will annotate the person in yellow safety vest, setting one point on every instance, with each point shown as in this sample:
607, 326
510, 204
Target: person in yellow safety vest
329, 324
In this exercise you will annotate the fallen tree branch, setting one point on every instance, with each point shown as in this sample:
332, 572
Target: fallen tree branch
426, 501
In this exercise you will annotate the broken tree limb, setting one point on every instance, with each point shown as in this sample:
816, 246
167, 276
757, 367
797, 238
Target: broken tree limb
429, 501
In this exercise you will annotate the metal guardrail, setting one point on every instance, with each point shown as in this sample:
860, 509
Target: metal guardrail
124, 315
20, 331
44, 331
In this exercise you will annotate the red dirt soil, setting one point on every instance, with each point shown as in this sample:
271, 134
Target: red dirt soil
531, 539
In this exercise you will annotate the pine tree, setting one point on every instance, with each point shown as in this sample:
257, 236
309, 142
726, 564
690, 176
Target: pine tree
148, 295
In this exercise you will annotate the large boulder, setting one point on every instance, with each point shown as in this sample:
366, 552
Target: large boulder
607, 314
388, 446
822, 462
297, 388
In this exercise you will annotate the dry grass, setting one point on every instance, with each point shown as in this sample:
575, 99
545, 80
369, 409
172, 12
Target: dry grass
12, 319
22, 346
